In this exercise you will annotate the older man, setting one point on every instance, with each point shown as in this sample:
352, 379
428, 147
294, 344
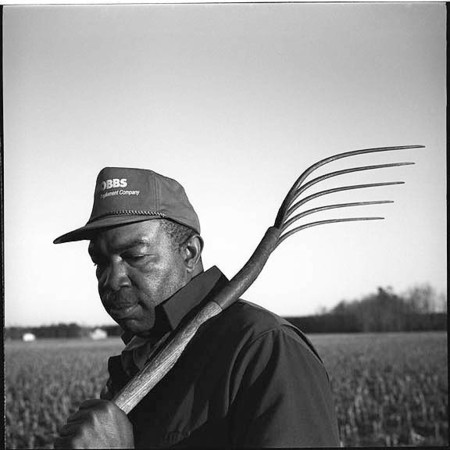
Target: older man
247, 379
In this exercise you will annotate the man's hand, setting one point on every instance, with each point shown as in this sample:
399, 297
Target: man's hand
97, 424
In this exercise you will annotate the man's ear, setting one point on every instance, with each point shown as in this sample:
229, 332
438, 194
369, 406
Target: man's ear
192, 252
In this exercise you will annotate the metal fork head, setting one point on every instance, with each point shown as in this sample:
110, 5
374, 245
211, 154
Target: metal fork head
293, 201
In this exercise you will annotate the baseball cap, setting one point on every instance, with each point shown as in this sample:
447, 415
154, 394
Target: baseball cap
124, 195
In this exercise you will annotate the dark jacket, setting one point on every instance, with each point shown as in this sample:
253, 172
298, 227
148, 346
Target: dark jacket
247, 379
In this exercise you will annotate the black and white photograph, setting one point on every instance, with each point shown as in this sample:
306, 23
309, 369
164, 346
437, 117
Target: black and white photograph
225, 224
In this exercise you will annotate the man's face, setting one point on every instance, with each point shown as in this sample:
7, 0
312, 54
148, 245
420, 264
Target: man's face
137, 269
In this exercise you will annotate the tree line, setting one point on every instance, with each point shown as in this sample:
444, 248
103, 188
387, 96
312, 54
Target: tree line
418, 309
59, 330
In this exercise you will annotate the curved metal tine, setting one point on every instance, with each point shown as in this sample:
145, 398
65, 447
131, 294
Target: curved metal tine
327, 207
280, 216
347, 155
324, 222
301, 189
333, 190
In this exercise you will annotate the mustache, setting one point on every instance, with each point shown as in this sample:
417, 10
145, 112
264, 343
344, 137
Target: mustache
119, 299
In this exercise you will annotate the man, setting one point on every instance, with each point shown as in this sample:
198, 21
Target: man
247, 379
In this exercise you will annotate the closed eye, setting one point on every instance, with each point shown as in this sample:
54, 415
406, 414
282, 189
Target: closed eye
135, 258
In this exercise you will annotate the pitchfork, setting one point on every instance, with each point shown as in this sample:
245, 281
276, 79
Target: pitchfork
164, 360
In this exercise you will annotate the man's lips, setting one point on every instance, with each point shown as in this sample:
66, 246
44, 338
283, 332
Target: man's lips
122, 312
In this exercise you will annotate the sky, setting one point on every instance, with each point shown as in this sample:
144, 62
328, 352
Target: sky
234, 101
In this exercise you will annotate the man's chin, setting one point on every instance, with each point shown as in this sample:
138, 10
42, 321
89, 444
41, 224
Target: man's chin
134, 327
129, 325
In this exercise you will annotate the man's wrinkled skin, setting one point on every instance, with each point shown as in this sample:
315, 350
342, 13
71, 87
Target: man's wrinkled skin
137, 268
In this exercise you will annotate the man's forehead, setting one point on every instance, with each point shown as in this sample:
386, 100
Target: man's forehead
126, 236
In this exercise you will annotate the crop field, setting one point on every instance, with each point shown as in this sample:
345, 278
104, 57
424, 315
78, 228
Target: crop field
390, 389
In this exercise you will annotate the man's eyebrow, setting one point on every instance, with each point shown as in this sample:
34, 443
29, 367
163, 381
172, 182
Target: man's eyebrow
92, 248
130, 244
120, 248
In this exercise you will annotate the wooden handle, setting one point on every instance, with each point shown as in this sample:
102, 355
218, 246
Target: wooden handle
155, 369
250, 271
128, 397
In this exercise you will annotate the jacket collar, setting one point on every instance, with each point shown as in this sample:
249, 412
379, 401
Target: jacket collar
199, 290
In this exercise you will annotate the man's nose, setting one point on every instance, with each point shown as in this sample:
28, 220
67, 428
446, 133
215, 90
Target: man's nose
114, 276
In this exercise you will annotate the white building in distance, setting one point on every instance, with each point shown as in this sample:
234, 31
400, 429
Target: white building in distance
28, 337
98, 333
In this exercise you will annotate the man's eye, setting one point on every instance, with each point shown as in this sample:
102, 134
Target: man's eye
135, 258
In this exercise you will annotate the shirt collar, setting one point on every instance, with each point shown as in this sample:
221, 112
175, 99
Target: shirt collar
199, 290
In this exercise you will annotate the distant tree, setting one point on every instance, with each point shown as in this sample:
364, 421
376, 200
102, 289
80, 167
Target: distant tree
321, 310
380, 311
442, 302
60, 330
113, 330
422, 298
341, 308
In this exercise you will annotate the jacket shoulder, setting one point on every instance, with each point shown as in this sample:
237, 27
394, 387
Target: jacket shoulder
246, 322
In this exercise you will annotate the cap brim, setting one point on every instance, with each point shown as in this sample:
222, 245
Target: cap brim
89, 230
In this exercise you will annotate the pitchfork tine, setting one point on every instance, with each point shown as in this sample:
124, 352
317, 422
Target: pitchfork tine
324, 208
294, 194
286, 203
158, 366
333, 190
